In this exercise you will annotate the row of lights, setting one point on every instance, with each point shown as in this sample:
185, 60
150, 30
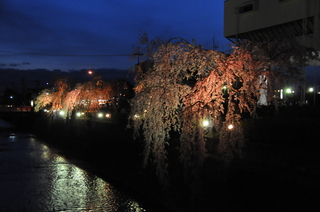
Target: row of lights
79, 114
288, 90
205, 122
101, 115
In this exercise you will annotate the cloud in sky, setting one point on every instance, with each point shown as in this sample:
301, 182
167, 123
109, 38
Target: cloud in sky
43, 33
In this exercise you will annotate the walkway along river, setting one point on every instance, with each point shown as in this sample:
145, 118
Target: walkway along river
35, 177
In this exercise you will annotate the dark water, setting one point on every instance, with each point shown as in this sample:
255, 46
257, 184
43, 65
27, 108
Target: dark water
34, 177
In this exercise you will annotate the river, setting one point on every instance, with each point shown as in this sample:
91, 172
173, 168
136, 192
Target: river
35, 178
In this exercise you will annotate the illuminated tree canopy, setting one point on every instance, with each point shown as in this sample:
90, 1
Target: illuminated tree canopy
181, 84
83, 96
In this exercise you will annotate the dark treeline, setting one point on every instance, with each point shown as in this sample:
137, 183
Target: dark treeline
25, 85
38, 78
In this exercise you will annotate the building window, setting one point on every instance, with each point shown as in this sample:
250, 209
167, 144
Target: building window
245, 8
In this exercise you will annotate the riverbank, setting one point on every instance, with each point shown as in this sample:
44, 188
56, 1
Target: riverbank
279, 170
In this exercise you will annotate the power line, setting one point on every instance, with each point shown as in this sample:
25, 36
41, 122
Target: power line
65, 55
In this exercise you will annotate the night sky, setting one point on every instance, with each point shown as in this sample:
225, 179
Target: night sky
60, 34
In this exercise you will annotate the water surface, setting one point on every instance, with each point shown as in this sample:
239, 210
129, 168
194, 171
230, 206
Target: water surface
37, 178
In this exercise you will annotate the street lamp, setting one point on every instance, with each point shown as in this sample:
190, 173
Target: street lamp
138, 54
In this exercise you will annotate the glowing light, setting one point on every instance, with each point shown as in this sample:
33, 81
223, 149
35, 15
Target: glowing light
136, 116
100, 115
61, 112
311, 90
230, 126
205, 123
78, 114
90, 72
108, 115
288, 90
12, 137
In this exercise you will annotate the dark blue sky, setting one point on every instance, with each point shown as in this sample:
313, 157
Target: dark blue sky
44, 33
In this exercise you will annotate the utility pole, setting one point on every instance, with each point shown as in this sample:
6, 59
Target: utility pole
138, 54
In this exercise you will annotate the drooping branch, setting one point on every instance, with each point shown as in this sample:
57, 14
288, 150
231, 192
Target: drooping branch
181, 84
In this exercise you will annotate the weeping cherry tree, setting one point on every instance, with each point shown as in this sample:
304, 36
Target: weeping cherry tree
182, 84
83, 96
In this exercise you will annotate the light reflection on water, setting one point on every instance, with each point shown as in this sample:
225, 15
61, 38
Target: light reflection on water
65, 187
12, 137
